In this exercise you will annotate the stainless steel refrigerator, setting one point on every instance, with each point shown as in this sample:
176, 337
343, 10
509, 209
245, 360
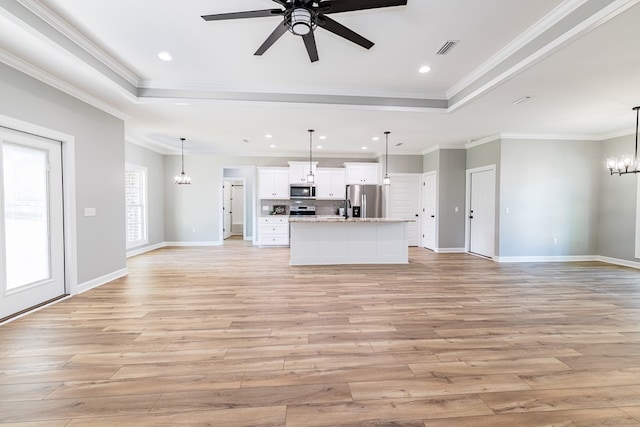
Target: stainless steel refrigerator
364, 201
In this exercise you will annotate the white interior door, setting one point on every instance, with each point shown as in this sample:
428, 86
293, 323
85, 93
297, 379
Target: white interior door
226, 208
404, 203
31, 222
237, 209
482, 210
429, 210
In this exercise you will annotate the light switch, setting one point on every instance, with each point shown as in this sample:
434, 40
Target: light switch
89, 211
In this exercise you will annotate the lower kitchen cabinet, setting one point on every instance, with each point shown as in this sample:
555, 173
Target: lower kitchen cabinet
273, 231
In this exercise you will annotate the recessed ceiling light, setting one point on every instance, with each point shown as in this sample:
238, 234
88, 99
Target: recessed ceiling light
181, 103
165, 56
273, 146
365, 148
323, 137
319, 147
375, 138
424, 69
268, 136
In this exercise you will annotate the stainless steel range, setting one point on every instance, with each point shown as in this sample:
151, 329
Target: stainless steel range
298, 209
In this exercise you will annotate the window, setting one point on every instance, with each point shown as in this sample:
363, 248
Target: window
136, 205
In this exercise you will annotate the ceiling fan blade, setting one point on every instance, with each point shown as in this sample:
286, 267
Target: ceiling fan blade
275, 35
310, 44
241, 15
342, 31
337, 6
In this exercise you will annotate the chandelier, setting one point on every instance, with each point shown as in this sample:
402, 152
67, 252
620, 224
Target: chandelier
183, 178
626, 163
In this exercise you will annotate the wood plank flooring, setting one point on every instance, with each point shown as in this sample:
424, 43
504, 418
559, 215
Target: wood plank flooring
234, 336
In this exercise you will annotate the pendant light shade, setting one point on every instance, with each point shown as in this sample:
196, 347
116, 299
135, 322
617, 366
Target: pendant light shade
387, 179
310, 177
626, 163
182, 179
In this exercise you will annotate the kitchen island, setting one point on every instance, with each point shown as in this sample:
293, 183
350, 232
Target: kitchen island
336, 240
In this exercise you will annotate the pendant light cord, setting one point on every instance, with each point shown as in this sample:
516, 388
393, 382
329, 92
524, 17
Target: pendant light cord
635, 155
182, 151
310, 151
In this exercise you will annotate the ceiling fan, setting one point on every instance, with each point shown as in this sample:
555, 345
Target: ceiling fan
302, 17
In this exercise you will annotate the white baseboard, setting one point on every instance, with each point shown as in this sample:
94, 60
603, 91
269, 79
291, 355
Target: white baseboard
576, 258
450, 250
186, 244
144, 249
616, 261
84, 287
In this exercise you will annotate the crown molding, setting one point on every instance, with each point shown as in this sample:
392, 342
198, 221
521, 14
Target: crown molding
48, 16
61, 85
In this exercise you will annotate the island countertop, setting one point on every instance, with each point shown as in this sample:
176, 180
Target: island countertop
335, 218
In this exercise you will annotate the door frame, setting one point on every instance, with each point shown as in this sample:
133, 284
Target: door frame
467, 220
248, 199
387, 201
68, 194
423, 214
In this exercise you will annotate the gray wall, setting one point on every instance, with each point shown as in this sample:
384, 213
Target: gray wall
154, 163
402, 164
99, 166
451, 194
617, 226
551, 189
431, 161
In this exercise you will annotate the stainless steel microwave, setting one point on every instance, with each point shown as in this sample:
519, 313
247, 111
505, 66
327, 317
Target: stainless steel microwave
302, 191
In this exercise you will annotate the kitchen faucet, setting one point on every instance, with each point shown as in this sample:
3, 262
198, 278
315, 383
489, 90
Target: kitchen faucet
347, 202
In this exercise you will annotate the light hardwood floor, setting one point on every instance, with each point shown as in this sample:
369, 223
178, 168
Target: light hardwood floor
234, 336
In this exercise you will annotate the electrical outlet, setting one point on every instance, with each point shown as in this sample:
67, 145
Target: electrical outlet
456, 209
555, 240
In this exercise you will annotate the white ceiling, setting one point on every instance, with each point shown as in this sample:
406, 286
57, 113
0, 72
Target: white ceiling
576, 59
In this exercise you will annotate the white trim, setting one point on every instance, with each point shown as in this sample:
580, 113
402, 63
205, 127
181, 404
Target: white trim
637, 234
565, 258
616, 261
144, 249
450, 250
99, 281
69, 193
482, 141
189, 244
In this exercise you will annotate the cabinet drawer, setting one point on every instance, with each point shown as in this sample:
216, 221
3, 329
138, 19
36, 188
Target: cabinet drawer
273, 220
274, 239
274, 229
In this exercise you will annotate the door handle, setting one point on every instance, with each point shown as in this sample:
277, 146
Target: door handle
433, 216
471, 216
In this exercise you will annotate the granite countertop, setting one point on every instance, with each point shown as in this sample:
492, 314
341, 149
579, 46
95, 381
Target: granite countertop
337, 218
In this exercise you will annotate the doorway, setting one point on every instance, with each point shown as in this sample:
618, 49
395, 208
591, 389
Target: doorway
237, 204
32, 250
234, 209
481, 202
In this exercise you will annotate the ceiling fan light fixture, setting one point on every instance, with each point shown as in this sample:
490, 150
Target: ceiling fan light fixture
301, 21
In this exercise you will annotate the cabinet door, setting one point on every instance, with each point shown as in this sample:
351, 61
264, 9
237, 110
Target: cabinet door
298, 172
363, 173
281, 184
338, 182
273, 183
323, 184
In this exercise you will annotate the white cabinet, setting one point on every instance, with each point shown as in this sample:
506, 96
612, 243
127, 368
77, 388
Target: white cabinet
330, 183
273, 183
362, 173
273, 230
298, 171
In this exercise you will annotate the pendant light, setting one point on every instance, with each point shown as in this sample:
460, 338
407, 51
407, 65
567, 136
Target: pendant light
387, 179
310, 177
183, 178
626, 163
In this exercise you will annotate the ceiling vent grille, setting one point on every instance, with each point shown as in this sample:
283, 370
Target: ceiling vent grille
447, 46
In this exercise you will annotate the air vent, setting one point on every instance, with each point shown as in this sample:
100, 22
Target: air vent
447, 46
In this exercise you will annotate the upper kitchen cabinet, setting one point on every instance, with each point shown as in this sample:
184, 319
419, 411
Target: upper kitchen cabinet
273, 183
298, 171
362, 173
330, 183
